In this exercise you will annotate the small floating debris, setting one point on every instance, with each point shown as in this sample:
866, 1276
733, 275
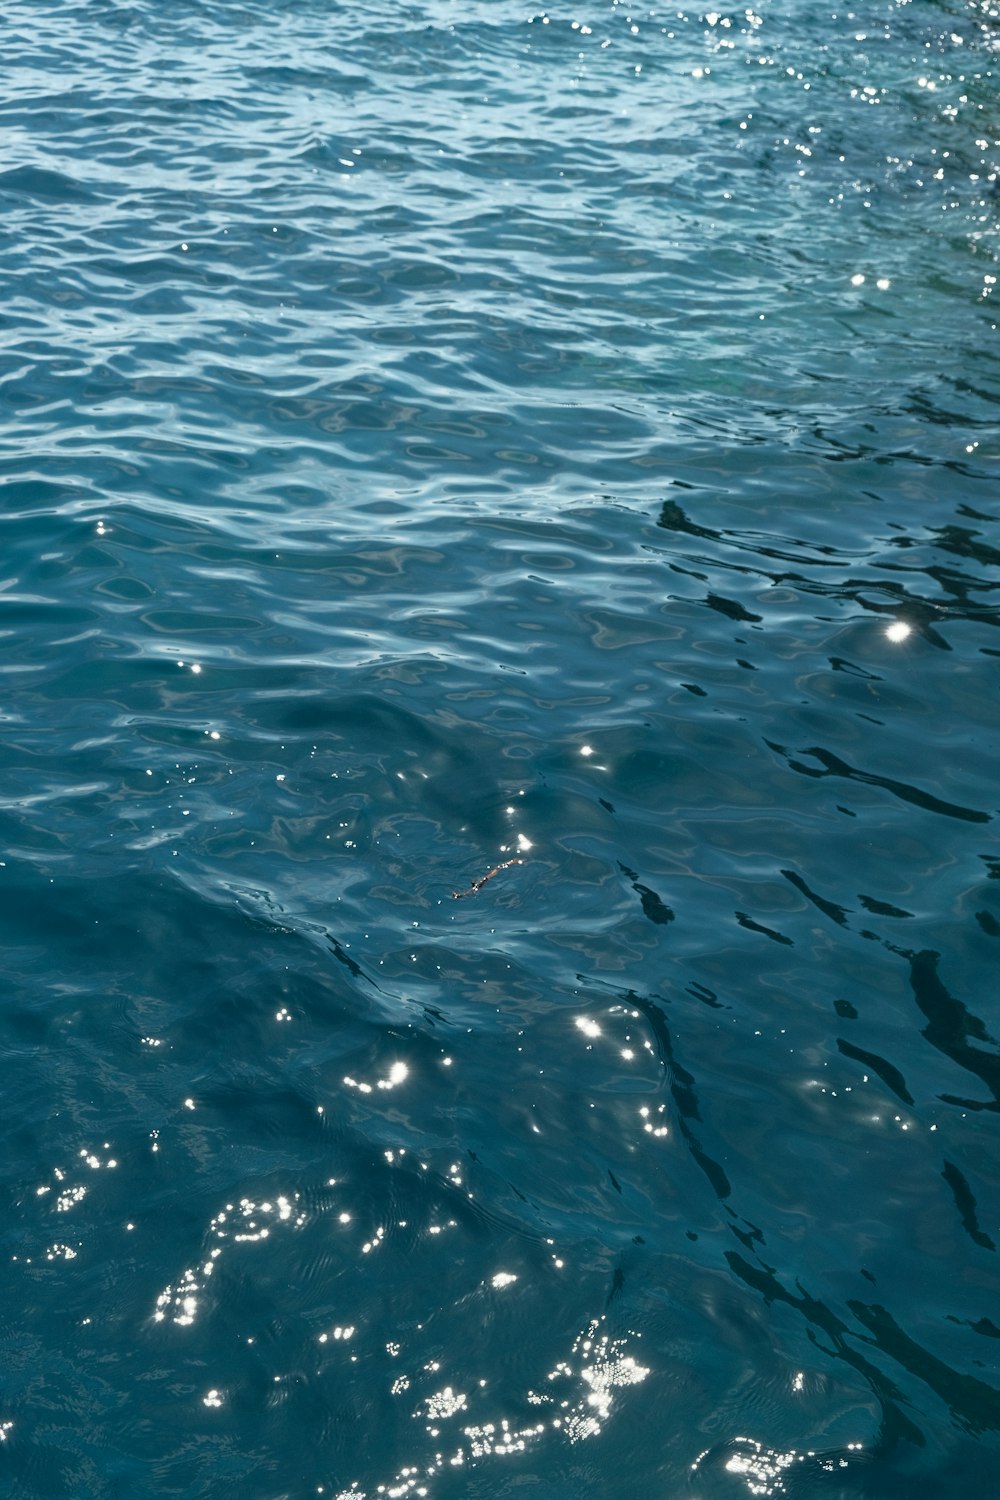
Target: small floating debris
477, 885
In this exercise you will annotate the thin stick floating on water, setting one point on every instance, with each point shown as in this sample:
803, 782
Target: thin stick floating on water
477, 885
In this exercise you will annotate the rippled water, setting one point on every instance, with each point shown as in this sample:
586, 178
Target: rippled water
441, 439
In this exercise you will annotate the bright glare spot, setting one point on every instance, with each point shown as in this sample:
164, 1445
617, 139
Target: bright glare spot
502, 1279
397, 1073
857, 279
213, 1398
897, 631
446, 1403
588, 1027
883, 283
338, 1333
523, 844
586, 750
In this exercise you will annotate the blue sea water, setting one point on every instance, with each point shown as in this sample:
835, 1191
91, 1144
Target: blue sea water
449, 438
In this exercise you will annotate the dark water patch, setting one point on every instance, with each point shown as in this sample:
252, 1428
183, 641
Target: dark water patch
890, 1076
834, 766
952, 1027
966, 1205
40, 183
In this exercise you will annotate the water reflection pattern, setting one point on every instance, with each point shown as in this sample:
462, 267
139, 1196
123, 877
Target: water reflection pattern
438, 434
577, 1394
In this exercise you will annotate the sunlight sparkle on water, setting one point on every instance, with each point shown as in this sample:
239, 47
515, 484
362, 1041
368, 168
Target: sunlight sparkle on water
245, 1222
397, 1074
897, 631
762, 1468
445, 1403
340, 1332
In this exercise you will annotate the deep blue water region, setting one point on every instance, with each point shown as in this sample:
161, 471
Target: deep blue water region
498, 750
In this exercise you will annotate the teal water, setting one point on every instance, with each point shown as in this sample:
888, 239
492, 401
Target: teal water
440, 435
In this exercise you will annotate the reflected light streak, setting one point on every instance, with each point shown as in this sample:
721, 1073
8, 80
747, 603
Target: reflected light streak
338, 1333
397, 1074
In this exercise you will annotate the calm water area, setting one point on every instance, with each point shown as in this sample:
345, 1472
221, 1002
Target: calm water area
499, 875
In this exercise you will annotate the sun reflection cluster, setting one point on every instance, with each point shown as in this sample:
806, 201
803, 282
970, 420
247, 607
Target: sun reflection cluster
69, 1194
572, 1404
397, 1074
338, 1333
443, 1404
632, 1048
375, 1241
763, 1469
500, 1438
649, 1120
247, 1222
580, 1394
603, 1367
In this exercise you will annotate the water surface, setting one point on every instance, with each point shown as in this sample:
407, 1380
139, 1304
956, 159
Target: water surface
438, 435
